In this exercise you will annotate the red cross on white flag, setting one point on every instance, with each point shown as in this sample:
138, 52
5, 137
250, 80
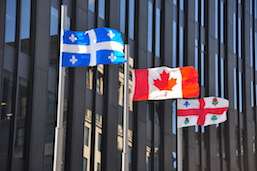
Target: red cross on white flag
205, 111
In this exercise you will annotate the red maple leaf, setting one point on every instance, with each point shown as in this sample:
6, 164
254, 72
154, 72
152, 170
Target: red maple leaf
165, 83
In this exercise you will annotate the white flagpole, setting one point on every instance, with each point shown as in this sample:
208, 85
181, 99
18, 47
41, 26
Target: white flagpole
58, 146
179, 149
125, 166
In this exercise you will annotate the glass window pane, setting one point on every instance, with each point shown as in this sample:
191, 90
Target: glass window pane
86, 135
150, 26
21, 118
10, 24
25, 26
202, 65
202, 12
54, 53
6, 113
122, 15
222, 75
235, 88
49, 131
98, 140
196, 54
240, 97
85, 168
222, 22
196, 10
131, 18
216, 19
87, 148
174, 44
181, 46
216, 75
157, 32
91, 5
101, 8
234, 33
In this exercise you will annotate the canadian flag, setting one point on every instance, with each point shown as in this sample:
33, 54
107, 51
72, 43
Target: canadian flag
205, 111
165, 83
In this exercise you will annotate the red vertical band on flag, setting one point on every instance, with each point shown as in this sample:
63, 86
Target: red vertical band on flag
141, 87
190, 87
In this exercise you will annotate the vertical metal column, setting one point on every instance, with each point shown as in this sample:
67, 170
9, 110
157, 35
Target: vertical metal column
58, 146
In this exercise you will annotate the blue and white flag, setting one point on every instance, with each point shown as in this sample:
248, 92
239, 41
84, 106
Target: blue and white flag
93, 47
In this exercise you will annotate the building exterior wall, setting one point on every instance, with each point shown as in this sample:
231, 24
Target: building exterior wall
217, 37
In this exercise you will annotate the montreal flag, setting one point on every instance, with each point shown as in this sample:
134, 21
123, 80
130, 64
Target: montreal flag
161, 83
205, 111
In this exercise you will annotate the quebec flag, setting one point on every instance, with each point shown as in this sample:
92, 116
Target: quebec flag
90, 48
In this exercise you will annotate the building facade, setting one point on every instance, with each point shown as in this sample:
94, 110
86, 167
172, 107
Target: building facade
217, 37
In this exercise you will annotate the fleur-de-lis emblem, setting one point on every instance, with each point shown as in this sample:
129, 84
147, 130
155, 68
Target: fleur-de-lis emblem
110, 34
112, 57
73, 38
73, 60
215, 101
186, 121
186, 103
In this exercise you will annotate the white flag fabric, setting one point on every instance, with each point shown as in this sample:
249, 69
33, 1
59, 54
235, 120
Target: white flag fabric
205, 111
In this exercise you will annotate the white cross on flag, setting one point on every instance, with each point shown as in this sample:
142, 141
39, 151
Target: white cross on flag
205, 111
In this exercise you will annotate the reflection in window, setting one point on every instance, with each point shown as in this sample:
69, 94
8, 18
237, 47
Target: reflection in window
21, 118
10, 24
252, 94
174, 159
216, 75
85, 164
196, 54
235, 88
174, 44
216, 19
91, 5
87, 139
157, 32
49, 131
202, 64
174, 117
196, 10
251, 47
54, 18
98, 140
86, 135
240, 97
234, 33
156, 114
98, 168
239, 38
89, 78
150, 26
222, 17
202, 12
100, 79
101, 8
25, 26
181, 46
148, 158
131, 18
123, 15
222, 74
